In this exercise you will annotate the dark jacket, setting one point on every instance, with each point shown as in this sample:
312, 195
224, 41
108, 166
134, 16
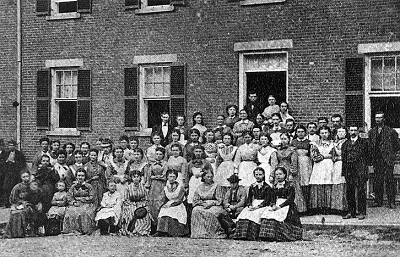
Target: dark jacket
355, 160
252, 109
389, 144
157, 129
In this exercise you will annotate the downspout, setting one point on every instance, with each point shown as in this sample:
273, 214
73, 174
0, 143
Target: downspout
19, 73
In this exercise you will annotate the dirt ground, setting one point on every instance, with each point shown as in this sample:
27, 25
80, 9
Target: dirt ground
315, 243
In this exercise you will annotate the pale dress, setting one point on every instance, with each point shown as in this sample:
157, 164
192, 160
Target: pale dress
266, 162
245, 158
175, 212
111, 206
59, 203
211, 152
117, 169
227, 167
179, 164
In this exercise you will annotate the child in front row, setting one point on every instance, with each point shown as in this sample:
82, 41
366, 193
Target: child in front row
55, 215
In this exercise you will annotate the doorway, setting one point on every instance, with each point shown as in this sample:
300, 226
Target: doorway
267, 83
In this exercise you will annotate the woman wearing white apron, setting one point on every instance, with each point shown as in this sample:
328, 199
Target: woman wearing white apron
245, 158
264, 157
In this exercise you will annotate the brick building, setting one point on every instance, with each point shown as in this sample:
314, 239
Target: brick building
106, 68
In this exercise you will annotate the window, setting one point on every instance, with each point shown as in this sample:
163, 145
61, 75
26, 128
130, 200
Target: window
151, 90
256, 2
62, 9
383, 88
149, 6
64, 99
63, 6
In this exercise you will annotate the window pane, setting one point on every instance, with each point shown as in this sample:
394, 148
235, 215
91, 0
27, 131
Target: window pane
389, 82
398, 64
167, 89
158, 74
155, 108
67, 114
58, 77
148, 89
398, 82
376, 66
157, 2
388, 65
376, 82
390, 106
66, 7
159, 89
148, 75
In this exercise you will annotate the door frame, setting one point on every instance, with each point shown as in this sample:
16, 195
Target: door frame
242, 73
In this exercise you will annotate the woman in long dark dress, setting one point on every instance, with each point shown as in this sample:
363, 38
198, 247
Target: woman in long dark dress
281, 222
96, 176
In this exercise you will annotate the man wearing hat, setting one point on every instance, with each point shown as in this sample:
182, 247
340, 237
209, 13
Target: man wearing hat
234, 202
105, 157
12, 165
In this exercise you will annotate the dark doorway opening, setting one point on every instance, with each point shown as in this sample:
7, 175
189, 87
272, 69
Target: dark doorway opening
267, 83
155, 108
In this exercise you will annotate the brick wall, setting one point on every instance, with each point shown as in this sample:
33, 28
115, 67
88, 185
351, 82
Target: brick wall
202, 34
8, 69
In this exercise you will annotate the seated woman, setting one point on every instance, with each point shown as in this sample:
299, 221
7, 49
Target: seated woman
260, 196
207, 207
55, 215
79, 215
172, 218
109, 213
21, 209
281, 222
135, 197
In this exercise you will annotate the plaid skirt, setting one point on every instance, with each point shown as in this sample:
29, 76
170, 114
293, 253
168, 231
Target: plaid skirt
246, 230
272, 230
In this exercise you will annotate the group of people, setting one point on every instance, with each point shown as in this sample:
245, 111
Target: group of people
249, 178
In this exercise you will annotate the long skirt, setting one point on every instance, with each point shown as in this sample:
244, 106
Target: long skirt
305, 169
156, 198
132, 226
193, 184
79, 219
17, 225
299, 198
272, 230
246, 169
338, 198
246, 230
205, 224
320, 196
224, 171
172, 227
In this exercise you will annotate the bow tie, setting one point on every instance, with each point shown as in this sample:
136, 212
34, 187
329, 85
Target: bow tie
158, 163
82, 186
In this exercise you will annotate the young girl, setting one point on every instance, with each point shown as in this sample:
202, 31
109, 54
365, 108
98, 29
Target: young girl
195, 169
117, 169
321, 176
151, 151
339, 199
226, 168
194, 140
69, 150
281, 222
71, 174
210, 148
232, 112
198, 123
221, 129
264, 157
155, 182
287, 157
137, 163
259, 198
109, 213
175, 136
56, 213
95, 175
178, 163
245, 160
180, 121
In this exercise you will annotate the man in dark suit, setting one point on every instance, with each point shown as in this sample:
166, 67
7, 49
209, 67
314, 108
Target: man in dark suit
355, 161
384, 143
164, 129
253, 107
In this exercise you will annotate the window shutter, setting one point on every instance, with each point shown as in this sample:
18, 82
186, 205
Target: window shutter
43, 83
131, 98
84, 105
132, 4
42, 7
84, 6
178, 2
354, 92
178, 90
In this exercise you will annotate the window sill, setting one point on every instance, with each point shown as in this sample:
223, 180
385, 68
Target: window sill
256, 2
64, 16
146, 133
71, 133
155, 9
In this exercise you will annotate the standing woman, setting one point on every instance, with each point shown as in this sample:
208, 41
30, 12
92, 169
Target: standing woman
198, 123
180, 125
287, 157
226, 168
210, 148
178, 163
281, 222
232, 112
276, 130
338, 198
245, 160
264, 157
137, 163
321, 176
135, 197
95, 175
172, 218
207, 206
243, 125
194, 141
80, 213
151, 151
116, 171
175, 136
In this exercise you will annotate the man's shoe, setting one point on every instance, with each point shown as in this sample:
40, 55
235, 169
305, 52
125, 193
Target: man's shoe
349, 216
361, 217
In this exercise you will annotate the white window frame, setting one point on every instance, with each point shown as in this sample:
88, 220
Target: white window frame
55, 15
368, 93
145, 8
257, 2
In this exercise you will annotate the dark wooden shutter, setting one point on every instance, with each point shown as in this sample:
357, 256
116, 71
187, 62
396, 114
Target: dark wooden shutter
84, 6
354, 92
84, 105
43, 84
131, 80
178, 90
42, 7
178, 2
132, 4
